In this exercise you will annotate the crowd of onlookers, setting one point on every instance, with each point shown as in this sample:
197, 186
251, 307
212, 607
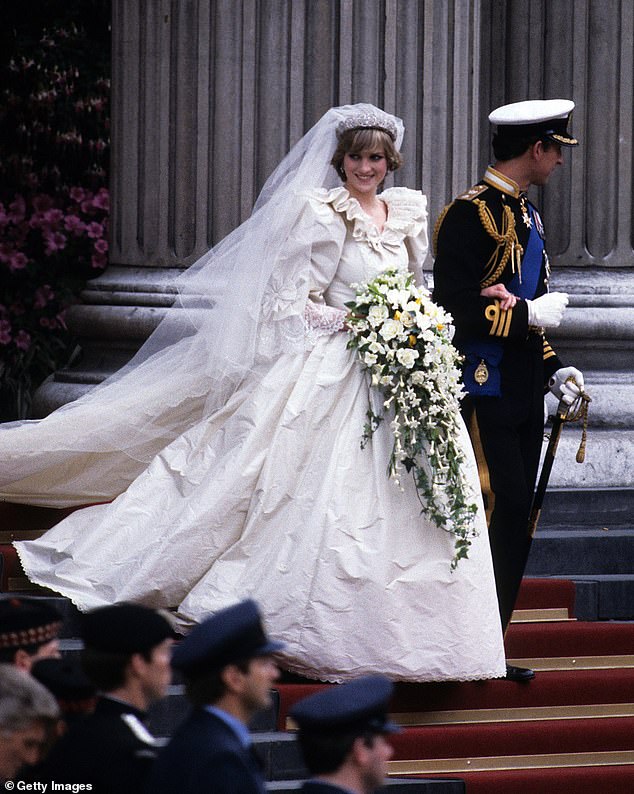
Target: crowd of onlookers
81, 721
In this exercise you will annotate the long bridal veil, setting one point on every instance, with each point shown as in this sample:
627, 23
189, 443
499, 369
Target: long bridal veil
237, 308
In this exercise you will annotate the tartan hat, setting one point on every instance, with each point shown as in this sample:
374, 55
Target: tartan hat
27, 622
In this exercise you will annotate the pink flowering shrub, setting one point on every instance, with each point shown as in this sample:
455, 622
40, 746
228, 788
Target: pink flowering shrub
54, 201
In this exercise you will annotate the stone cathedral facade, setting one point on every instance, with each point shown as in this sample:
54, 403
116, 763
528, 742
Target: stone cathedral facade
208, 95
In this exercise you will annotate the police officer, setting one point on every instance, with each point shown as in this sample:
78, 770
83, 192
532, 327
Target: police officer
491, 272
229, 670
127, 653
342, 733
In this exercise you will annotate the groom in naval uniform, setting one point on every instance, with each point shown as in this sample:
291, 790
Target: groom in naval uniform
491, 272
342, 733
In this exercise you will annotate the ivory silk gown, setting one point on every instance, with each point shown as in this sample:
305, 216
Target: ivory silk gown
273, 498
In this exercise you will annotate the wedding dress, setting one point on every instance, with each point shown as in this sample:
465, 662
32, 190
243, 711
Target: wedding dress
267, 492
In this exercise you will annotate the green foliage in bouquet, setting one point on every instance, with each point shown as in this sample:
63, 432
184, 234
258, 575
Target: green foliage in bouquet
404, 340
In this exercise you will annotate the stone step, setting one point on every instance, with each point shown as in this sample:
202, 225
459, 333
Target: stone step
393, 786
600, 562
612, 595
589, 507
562, 552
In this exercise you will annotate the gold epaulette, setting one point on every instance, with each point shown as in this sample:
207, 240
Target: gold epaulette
472, 193
468, 195
506, 242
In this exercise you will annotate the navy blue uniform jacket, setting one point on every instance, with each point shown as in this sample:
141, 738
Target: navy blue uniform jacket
205, 757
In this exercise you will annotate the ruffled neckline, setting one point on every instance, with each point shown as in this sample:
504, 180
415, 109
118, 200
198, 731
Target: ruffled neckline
406, 215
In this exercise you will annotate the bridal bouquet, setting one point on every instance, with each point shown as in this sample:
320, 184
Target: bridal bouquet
404, 340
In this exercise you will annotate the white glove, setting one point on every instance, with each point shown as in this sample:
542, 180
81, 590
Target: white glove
566, 391
547, 310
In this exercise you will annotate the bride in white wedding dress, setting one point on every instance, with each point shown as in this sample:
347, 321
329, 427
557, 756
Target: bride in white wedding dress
226, 457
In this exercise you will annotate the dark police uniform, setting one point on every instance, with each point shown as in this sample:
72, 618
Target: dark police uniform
205, 756
358, 708
110, 749
492, 235
211, 751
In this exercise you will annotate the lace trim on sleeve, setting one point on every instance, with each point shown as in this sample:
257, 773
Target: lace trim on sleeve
321, 320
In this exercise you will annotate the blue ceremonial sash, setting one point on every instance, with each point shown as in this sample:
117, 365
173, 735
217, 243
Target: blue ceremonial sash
531, 264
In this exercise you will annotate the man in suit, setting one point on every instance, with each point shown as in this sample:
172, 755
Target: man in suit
342, 735
229, 670
491, 272
127, 653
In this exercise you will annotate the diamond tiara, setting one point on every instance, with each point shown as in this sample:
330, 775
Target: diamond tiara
368, 120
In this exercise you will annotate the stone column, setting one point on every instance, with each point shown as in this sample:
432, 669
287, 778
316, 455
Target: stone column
583, 50
208, 96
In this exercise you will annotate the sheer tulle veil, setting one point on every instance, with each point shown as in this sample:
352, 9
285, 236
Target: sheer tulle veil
237, 308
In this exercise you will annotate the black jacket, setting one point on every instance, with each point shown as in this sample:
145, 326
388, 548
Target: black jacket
110, 749
479, 240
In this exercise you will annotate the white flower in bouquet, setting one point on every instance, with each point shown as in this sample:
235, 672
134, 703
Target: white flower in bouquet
405, 356
408, 319
391, 329
377, 314
404, 340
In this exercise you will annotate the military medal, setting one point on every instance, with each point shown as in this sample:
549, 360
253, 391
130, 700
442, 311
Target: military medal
538, 223
481, 374
528, 221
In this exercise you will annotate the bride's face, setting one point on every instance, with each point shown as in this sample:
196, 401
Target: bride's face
365, 171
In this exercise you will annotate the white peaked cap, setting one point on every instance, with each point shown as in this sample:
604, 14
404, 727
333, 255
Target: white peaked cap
532, 111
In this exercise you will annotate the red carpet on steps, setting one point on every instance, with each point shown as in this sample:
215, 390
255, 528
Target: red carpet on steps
517, 738
580, 780
547, 594
548, 689
529, 640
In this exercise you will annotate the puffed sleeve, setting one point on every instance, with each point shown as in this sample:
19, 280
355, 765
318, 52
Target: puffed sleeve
306, 264
327, 231
408, 217
417, 246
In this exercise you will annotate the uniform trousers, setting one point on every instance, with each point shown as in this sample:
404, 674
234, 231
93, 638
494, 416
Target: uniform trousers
506, 433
